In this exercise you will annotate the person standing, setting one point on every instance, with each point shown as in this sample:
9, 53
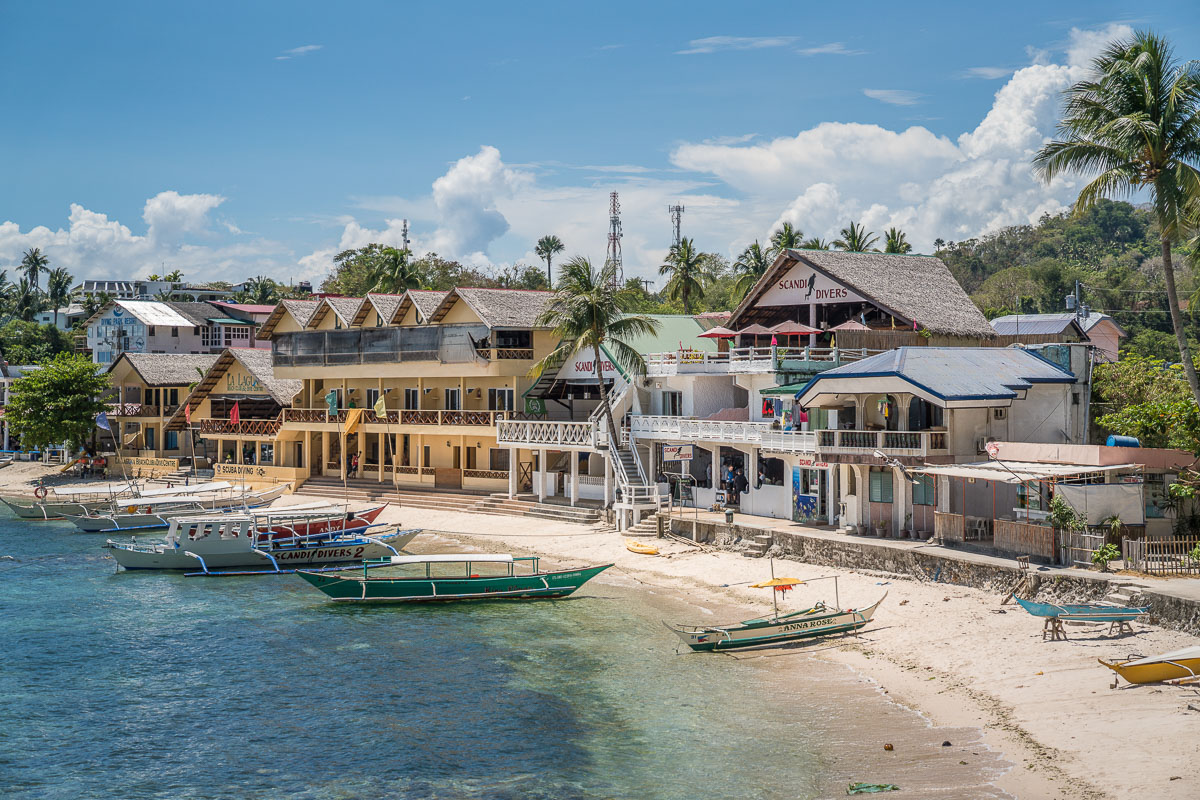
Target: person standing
740, 484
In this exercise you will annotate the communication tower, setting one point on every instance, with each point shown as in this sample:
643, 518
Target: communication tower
676, 222
404, 235
614, 239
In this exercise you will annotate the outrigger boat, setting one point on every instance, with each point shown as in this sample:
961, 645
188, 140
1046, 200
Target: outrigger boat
156, 513
452, 576
80, 500
1119, 617
269, 540
776, 628
1170, 666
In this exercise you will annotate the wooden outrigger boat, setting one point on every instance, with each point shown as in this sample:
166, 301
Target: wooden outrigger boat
1119, 617
454, 576
1170, 666
776, 628
155, 513
82, 500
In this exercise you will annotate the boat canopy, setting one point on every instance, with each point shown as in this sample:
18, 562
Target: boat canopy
195, 488
105, 488
453, 558
1019, 471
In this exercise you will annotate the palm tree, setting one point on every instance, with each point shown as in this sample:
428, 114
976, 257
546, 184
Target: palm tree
750, 266
896, 241
1134, 123
787, 237
26, 300
393, 273
588, 313
689, 270
547, 248
260, 290
814, 243
938, 244
58, 289
857, 239
33, 263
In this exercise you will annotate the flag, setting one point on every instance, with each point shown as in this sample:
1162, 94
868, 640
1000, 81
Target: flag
235, 416
353, 417
380, 407
187, 413
102, 421
914, 324
331, 401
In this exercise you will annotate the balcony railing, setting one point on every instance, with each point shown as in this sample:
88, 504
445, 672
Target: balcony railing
766, 434
540, 433
451, 344
747, 359
247, 427
141, 410
398, 417
917, 443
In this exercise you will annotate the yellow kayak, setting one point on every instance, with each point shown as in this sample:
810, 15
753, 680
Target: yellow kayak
1183, 663
635, 546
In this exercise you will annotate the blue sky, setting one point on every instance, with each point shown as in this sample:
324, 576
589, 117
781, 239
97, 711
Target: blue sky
233, 139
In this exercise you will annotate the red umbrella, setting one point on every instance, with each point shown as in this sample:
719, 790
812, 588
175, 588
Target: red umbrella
794, 329
718, 333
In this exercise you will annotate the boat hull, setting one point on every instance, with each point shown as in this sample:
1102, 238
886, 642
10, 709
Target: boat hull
1083, 612
237, 553
50, 511
346, 588
790, 628
1183, 663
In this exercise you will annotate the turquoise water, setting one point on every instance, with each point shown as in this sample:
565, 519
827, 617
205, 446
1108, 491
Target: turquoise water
145, 685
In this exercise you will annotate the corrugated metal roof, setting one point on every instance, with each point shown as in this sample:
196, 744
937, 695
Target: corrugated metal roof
1014, 324
955, 373
155, 313
674, 331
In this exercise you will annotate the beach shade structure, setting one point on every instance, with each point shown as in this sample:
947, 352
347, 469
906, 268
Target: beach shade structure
754, 330
718, 333
850, 325
794, 329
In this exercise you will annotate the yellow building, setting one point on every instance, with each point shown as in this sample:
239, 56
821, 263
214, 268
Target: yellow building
447, 364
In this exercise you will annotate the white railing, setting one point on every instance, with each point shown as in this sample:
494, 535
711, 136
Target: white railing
915, 443
537, 433
747, 359
647, 426
789, 441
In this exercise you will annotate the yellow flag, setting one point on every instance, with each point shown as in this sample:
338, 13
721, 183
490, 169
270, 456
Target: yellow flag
380, 407
353, 417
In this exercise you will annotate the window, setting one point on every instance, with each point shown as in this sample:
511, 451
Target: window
999, 413
498, 459
172, 438
1029, 496
173, 397
500, 399
924, 490
453, 401
150, 332
266, 453
149, 437
672, 404
175, 333
425, 456
881, 485
412, 399
770, 472
1155, 493
372, 397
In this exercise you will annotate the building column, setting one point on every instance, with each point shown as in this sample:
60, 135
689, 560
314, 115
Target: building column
324, 451
513, 465
574, 478
541, 475
608, 492
342, 455
901, 500
383, 453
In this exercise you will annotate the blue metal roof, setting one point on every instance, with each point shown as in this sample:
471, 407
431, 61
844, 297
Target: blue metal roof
955, 373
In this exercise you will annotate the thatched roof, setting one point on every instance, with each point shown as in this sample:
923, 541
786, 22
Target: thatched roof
256, 361
385, 306
425, 300
910, 288
167, 369
301, 312
498, 308
346, 309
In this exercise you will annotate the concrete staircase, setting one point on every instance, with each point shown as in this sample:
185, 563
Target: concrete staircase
759, 544
647, 527
1121, 594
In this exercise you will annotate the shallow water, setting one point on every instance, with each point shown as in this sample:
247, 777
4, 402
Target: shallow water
145, 685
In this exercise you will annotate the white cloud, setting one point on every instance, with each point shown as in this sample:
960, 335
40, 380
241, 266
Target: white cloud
170, 214
711, 44
296, 52
895, 97
988, 73
830, 49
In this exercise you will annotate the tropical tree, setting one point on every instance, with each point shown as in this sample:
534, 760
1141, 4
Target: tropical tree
749, 267
897, 242
688, 269
938, 244
590, 316
1134, 124
27, 301
814, 243
547, 248
58, 402
856, 239
94, 302
394, 273
787, 237
58, 290
260, 290
33, 263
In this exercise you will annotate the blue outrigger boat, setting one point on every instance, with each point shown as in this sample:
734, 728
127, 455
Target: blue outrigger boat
1056, 614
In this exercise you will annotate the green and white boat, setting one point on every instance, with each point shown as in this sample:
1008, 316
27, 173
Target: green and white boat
452, 576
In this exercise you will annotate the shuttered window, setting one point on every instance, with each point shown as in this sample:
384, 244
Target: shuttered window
881, 485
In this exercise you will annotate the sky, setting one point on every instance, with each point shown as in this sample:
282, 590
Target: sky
229, 140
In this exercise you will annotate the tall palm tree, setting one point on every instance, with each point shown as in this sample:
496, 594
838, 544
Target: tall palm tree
547, 248
897, 242
857, 239
814, 243
750, 266
27, 300
58, 289
787, 237
1134, 124
588, 313
394, 273
33, 263
689, 271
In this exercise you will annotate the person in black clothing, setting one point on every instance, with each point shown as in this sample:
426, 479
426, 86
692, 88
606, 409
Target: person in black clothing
740, 484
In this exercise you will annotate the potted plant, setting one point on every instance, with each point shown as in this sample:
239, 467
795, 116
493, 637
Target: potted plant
881, 527
907, 532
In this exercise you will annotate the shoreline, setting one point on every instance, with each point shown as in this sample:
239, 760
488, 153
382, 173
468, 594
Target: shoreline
950, 653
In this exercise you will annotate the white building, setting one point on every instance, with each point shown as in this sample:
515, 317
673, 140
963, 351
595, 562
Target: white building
148, 290
145, 326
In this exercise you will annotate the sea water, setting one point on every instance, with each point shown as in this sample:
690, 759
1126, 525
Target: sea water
151, 685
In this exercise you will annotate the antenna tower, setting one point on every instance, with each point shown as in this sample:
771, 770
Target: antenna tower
614, 239
404, 234
676, 222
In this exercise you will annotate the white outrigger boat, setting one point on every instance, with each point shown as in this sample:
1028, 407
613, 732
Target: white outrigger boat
55, 503
155, 513
265, 541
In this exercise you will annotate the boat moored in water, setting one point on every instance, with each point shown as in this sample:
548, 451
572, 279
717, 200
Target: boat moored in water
57, 502
154, 513
452, 576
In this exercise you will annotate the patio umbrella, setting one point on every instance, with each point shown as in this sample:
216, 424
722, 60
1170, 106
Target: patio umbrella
794, 329
850, 325
754, 330
718, 333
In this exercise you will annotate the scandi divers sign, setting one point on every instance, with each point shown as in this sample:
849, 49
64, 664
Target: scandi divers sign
804, 286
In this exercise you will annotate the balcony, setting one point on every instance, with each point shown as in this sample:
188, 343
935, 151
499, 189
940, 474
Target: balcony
540, 433
141, 410
751, 360
247, 427
764, 434
398, 417
448, 344
893, 443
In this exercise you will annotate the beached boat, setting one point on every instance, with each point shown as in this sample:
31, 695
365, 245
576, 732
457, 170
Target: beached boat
1083, 612
454, 576
268, 540
59, 501
634, 546
1183, 663
156, 513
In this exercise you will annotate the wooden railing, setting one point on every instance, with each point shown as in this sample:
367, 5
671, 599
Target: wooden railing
247, 427
141, 410
399, 417
1172, 556
948, 527
488, 474
1024, 538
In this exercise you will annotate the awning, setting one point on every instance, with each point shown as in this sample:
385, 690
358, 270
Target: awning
787, 388
228, 321
1019, 471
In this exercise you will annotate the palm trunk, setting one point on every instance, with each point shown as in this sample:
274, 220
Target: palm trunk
614, 441
1185, 354
549, 277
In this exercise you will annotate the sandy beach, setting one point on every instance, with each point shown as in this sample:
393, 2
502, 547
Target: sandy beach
954, 654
